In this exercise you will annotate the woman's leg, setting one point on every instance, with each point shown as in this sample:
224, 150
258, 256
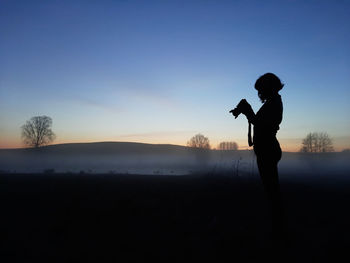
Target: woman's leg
269, 175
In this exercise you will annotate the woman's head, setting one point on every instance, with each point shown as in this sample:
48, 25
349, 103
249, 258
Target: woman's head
268, 85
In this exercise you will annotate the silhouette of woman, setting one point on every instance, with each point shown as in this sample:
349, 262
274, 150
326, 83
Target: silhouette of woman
266, 146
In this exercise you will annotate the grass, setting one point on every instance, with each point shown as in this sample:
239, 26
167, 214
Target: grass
108, 217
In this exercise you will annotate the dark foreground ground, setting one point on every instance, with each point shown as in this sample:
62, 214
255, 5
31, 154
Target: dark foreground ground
110, 218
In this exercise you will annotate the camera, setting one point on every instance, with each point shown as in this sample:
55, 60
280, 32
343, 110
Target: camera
238, 110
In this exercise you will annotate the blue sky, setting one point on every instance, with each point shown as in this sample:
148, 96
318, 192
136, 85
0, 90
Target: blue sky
162, 71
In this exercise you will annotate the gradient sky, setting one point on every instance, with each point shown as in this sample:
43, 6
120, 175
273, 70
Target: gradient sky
162, 71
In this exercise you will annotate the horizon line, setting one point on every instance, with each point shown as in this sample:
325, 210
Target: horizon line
95, 142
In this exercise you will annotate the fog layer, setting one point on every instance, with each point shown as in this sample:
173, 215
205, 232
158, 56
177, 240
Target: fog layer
138, 158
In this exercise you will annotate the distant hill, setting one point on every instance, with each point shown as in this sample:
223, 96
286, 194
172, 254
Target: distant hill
101, 148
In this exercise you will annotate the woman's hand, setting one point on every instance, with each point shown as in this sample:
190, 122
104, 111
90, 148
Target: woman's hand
247, 110
244, 106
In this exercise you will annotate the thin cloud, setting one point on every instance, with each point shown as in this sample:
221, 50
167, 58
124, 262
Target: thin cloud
150, 96
153, 134
98, 104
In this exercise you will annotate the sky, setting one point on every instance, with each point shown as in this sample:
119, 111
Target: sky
163, 71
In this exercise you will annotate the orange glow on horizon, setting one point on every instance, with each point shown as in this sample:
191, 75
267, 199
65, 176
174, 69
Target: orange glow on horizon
287, 145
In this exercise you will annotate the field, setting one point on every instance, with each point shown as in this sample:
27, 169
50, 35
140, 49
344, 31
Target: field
192, 218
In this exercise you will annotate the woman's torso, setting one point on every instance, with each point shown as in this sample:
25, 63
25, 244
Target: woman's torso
266, 125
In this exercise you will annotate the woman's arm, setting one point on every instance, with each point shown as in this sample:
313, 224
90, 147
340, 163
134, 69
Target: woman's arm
269, 116
249, 113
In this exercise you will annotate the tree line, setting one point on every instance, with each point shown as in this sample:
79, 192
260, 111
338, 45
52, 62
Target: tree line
200, 141
317, 142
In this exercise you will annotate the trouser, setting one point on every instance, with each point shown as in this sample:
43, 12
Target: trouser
267, 164
269, 176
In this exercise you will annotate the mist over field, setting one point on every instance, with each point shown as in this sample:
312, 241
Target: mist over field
92, 200
148, 159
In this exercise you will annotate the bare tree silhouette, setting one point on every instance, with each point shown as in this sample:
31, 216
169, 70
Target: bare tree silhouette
317, 142
228, 146
199, 141
37, 131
